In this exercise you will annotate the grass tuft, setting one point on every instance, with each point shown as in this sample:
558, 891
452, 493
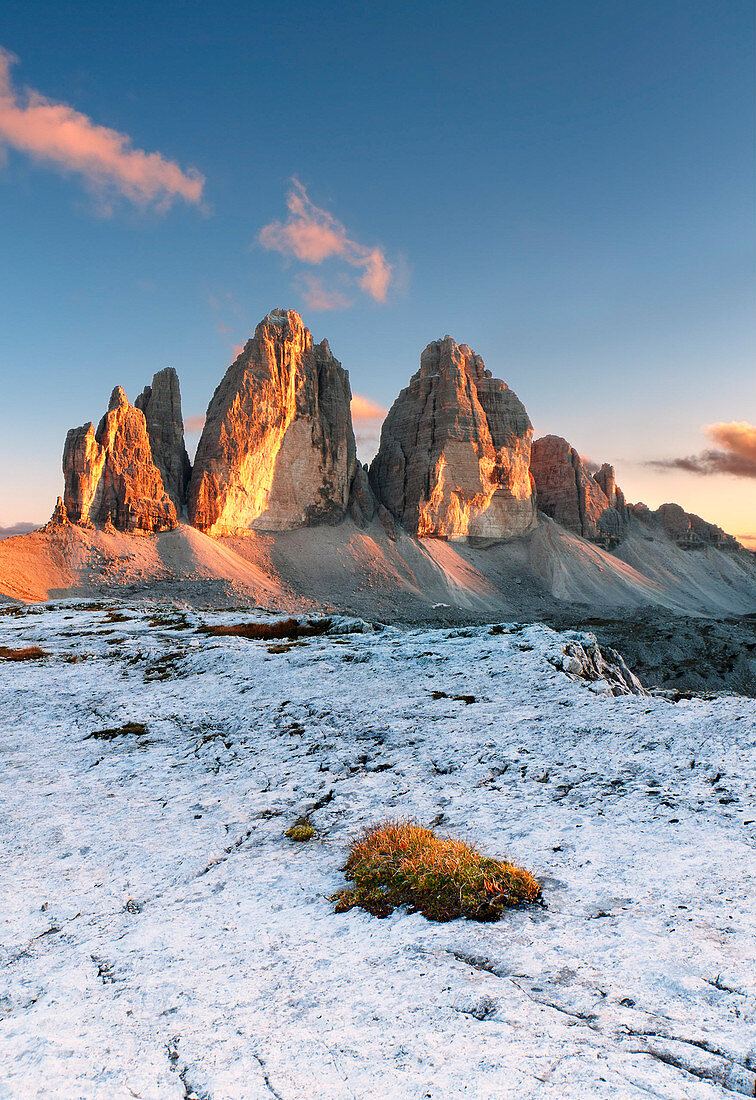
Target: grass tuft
302, 829
30, 653
286, 628
398, 862
128, 729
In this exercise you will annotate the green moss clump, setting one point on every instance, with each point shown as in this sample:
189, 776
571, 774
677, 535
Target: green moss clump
302, 829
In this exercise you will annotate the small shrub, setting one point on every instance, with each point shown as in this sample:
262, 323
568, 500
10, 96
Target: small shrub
398, 862
302, 829
117, 617
286, 628
31, 653
128, 729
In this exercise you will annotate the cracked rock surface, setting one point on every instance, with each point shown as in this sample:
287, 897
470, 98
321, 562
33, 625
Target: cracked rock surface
162, 938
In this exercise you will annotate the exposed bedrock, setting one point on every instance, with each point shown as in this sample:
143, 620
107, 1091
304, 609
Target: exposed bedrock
686, 529
454, 455
591, 506
277, 450
161, 405
110, 474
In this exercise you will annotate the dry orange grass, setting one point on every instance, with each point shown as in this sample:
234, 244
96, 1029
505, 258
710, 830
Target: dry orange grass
398, 862
31, 653
286, 628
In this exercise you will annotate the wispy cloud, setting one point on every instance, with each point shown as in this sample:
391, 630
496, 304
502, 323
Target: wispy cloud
318, 296
365, 409
59, 135
312, 235
367, 418
735, 455
193, 425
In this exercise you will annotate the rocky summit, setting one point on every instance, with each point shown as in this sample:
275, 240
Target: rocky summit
161, 405
686, 529
456, 459
277, 450
110, 475
591, 506
455, 451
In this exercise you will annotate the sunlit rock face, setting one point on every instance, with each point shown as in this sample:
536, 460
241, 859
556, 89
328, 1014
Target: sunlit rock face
161, 405
277, 450
591, 506
110, 475
455, 450
59, 519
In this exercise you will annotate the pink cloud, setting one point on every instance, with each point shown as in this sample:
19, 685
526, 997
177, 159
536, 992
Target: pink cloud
193, 425
738, 437
318, 297
367, 417
311, 234
60, 135
365, 409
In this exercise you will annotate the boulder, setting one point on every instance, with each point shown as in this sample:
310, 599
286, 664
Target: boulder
161, 405
455, 450
277, 450
110, 472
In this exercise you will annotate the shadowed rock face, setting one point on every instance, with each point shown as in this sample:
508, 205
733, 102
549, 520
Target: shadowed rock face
161, 405
686, 528
455, 451
110, 473
277, 450
590, 506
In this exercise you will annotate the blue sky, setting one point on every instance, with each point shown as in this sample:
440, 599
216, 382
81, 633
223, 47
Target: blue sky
568, 188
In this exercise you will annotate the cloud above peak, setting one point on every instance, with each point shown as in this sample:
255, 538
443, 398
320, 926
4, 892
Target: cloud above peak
70, 141
312, 235
735, 455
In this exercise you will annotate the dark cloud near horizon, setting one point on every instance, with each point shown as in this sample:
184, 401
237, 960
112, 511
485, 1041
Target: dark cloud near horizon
707, 463
736, 454
17, 529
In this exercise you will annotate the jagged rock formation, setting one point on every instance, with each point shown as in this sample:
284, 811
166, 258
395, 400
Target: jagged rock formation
110, 473
590, 506
688, 530
605, 673
59, 518
277, 450
455, 450
161, 405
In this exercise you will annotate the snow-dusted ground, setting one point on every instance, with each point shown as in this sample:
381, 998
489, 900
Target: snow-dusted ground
161, 937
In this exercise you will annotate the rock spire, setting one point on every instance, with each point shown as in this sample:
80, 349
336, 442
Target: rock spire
591, 506
277, 450
455, 450
161, 405
111, 472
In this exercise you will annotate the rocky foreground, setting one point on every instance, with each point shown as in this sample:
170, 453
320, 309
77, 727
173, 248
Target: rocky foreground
162, 938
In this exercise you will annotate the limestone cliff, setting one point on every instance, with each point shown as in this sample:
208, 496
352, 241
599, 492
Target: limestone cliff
109, 473
455, 450
591, 506
688, 530
161, 405
277, 450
